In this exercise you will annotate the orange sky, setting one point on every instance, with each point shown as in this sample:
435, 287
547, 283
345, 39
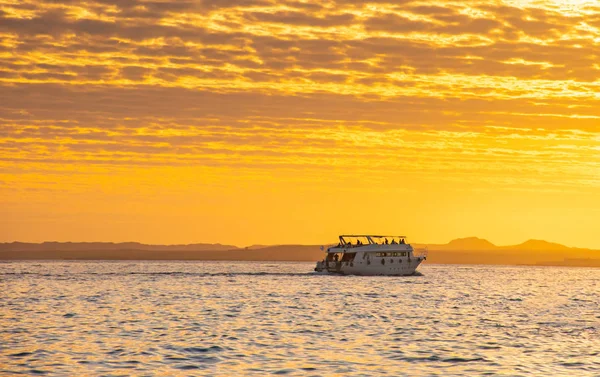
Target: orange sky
257, 121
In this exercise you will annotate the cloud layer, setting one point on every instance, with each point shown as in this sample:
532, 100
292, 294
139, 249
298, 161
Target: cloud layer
504, 92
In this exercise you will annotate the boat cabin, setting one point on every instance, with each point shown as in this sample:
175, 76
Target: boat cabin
371, 255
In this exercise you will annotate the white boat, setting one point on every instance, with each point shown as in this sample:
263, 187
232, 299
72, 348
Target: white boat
371, 255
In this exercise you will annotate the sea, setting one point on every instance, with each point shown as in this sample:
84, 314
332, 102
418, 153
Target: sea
142, 318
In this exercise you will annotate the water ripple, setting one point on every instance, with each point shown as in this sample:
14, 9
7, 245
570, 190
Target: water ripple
225, 319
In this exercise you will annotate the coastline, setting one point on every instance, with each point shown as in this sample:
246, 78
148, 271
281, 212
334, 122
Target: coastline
311, 253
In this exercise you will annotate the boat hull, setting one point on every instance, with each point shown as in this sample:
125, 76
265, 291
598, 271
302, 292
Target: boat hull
390, 267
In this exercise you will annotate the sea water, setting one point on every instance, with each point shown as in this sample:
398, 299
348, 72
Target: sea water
239, 318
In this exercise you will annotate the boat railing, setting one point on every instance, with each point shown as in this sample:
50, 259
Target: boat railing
353, 246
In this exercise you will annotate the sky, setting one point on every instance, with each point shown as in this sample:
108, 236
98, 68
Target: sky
264, 122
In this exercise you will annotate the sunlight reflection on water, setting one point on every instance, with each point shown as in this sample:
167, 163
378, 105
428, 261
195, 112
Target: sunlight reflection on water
238, 318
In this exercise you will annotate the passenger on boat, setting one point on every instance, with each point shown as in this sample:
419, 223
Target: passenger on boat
386, 241
336, 258
402, 241
394, 242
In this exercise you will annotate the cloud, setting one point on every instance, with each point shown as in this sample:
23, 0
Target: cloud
299, 18
467, 86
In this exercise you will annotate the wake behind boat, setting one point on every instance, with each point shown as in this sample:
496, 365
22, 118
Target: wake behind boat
371, 255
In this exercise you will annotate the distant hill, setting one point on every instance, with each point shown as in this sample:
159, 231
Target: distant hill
253, 247
475, 250
538, 245
138, 251
470, 243
471, 250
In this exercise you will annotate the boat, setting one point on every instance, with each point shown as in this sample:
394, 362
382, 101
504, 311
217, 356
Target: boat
371, 255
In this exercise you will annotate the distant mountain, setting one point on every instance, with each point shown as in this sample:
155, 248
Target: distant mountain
254, 247
469, 243
475, 250
480, 244
137, 251
471, 250
538, 245
459, 244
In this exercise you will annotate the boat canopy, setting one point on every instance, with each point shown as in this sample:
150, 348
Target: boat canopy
370, 238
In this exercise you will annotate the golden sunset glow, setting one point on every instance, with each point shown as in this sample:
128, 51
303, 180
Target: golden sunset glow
258, 121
